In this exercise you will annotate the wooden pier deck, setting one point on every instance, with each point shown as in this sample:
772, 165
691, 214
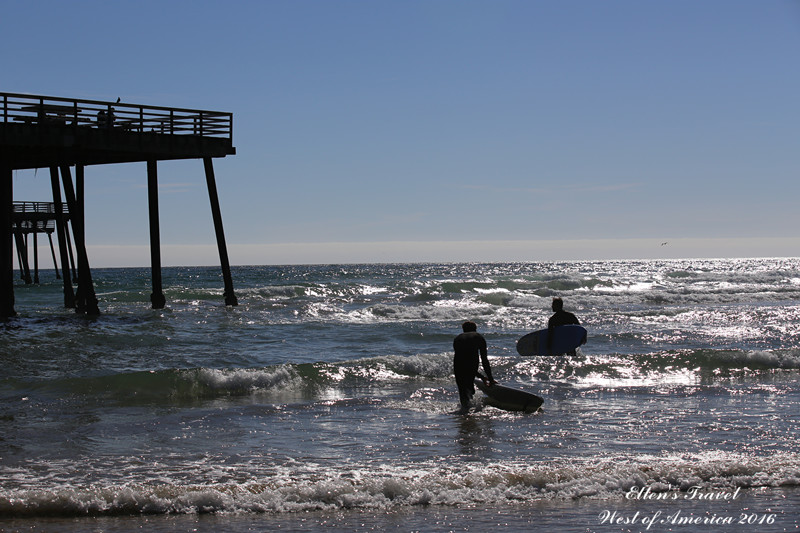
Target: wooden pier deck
62, 134
40, 132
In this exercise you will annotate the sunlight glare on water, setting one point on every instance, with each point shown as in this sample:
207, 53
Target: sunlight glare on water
328, 392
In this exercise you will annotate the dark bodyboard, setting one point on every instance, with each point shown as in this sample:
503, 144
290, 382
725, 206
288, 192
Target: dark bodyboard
565, 340
510, 399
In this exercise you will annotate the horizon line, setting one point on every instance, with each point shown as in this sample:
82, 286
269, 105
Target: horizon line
472, 251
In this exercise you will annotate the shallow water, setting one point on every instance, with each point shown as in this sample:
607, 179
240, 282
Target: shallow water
325, 400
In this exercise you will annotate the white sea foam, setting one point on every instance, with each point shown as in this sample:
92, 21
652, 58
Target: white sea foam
313, 487
440, 312
772, 359
279, 377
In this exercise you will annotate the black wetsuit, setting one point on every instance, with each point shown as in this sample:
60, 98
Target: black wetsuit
468, 347
560, 318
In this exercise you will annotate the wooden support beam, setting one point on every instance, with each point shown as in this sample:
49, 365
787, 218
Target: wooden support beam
6, 243
72, 266
19, 254
230, 296
26, 260
22, 254
86, 301
61, 231
53, 252
36, 257
157, 297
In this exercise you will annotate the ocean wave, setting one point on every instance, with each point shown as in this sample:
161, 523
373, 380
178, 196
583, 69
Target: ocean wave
288, 489
658, 370
442, 311
708, 359
759, 359
306, 381
278, 292
285, 381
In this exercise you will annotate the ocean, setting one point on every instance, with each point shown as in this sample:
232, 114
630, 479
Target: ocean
325, 401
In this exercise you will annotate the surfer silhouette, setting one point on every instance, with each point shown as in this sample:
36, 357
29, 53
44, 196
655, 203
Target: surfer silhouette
559, 318
470, 349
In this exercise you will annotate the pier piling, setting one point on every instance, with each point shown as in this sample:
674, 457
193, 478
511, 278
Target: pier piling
157, 297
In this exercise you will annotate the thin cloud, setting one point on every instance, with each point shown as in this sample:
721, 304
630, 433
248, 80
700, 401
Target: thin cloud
612, 187
167, 187
176, 187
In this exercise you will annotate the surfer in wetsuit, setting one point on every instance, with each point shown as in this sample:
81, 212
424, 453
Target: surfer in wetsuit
560, 318
468, 347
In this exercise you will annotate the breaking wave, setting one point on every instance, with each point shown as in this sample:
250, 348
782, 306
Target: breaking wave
384, 487
301, 382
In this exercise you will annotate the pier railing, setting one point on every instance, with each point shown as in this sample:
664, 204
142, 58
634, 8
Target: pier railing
36, 217
37, 207
51, 110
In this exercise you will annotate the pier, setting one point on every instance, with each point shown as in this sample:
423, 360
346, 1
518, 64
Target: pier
67, 135
30, 219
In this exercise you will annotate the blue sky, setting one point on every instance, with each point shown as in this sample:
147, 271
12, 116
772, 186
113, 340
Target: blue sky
438, 130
